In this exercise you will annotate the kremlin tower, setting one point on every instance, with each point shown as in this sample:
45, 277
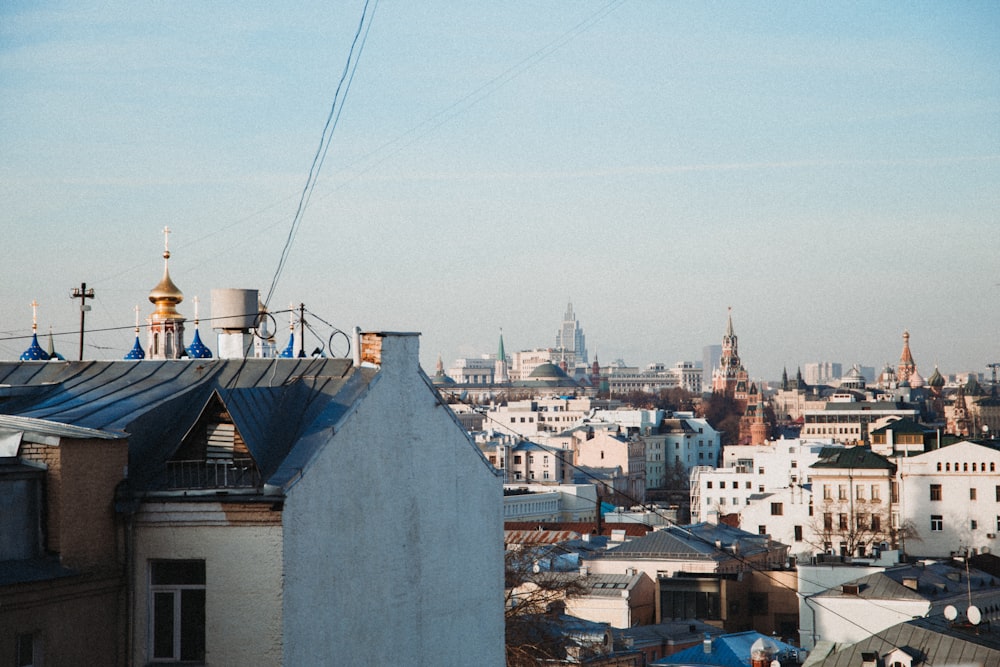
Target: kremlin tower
166, 325
731, 379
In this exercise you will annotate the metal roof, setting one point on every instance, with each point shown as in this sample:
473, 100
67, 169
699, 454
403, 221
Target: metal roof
284, 409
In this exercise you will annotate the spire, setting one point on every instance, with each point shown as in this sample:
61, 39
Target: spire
52, 349
501, 355
784, 378
729, 324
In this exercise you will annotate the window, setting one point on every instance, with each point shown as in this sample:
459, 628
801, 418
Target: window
876, 523
708, 484
827, 521
776, 509
973, 524
722, 485
935, 492
876, 493
27, 654
842, 492
842, 521
748, 485
177, 610
972, 494
998, 494
859, 492
828, 496
722, 501
762, 530
545, 474
517, 459
937, 523
798, 533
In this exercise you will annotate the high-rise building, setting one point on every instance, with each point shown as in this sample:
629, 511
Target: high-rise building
710, 357
570, 339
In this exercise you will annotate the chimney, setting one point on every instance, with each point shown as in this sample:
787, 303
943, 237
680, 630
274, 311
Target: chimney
391, 350
706, 644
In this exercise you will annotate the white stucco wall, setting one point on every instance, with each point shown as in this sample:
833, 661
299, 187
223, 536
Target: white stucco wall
393, 545
243, 561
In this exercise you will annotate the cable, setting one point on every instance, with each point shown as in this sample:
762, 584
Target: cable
320, 155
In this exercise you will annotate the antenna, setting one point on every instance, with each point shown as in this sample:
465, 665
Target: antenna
950, 612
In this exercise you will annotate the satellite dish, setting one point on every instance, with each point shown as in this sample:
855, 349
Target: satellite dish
975, 616
950, 612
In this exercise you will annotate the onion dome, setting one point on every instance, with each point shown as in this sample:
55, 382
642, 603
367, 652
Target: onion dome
136, 352
289, 351
936, 379
916, 380
197, 349
34, 351
166, 295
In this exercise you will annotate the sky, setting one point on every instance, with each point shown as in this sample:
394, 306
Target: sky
829, 171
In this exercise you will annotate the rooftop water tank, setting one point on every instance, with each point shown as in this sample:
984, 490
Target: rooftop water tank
234, 310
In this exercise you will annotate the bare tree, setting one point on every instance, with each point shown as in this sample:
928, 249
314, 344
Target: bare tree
836, 528
534, 601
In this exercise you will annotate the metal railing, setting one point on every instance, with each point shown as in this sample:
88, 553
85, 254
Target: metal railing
221, 474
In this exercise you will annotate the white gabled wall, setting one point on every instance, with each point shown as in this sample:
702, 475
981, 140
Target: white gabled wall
393, 546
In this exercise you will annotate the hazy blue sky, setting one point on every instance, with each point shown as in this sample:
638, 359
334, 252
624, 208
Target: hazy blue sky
831, 171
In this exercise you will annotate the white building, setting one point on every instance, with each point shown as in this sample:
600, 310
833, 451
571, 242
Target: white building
951, 499
749, 470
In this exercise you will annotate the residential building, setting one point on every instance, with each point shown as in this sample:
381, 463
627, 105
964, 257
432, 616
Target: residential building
950, 499
750, 470
856, 609
614, 450
235, 512
822, 372
855, 501
570, 341
847, 419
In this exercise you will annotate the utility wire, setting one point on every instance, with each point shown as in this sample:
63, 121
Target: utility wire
324, 143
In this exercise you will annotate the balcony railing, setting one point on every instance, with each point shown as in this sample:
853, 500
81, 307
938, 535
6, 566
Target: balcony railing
224, 474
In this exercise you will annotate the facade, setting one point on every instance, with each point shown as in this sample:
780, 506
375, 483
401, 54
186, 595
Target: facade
610, 450
238, 509
856, 503
527, 461
952, 499
749, 471
822, 372
848, 420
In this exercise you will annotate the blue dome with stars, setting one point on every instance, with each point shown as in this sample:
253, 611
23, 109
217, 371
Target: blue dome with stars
289, 351
197, 349
34, 351
136, 352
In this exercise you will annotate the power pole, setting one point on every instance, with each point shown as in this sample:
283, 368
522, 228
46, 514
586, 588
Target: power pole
82, 294
302, 329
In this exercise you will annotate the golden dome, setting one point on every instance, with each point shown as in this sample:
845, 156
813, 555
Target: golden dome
166, 295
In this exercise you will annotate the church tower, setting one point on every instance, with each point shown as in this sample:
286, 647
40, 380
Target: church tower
501, 374
166, 325
906, 367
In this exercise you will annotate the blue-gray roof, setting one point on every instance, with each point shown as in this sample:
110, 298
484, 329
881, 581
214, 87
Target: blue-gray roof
279, 406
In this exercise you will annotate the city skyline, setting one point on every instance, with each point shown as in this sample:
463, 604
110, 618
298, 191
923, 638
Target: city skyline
830, 173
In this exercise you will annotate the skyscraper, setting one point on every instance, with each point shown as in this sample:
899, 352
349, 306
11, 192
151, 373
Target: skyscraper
570, 338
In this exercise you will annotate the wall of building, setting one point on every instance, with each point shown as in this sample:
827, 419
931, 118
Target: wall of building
241, 547
393, 543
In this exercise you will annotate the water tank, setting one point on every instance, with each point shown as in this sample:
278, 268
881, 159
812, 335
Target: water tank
234, 309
